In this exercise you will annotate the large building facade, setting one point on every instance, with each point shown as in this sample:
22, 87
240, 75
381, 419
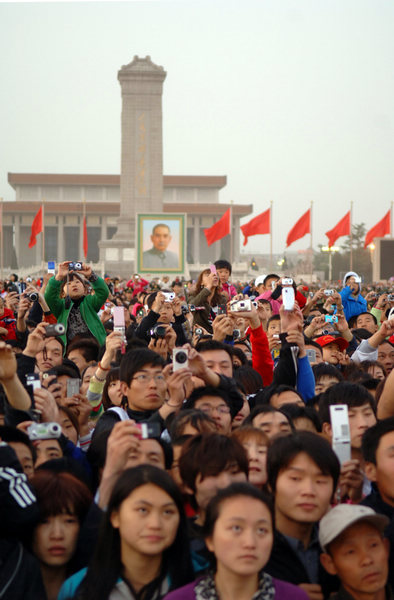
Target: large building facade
66, 196
111, 202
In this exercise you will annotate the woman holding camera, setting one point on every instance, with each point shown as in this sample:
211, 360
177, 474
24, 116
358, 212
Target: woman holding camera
68, 299
206, 298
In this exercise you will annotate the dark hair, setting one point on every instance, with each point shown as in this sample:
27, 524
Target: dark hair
295, 411
273, 389
323, 369
89, 349
106, 565
208, 454
351, 394
262, 409
240, 354
365, 365
310, 342
112, 375
70, 414
273, 318
367, 313
135, 360
196, 418
209, 345
270, 276
12, 434
372, 436
284, 450
217, 297
223, 264
250, 379
60, 493
234, 490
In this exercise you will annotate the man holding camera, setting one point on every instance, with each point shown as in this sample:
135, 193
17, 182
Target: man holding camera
352, 300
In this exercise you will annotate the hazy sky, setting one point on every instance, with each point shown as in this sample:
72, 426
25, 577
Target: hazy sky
291, 99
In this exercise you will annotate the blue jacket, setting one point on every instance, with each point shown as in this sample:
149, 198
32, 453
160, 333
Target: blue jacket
352, 306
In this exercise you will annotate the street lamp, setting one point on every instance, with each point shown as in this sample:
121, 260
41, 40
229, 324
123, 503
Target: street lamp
330, 250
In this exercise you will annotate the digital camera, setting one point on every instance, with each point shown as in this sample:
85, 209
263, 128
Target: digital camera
159, 331
44, 431
328, 292
241, 305
75, 266
179, 359
54, 330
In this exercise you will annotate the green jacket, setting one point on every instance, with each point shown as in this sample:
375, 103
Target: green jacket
89, 307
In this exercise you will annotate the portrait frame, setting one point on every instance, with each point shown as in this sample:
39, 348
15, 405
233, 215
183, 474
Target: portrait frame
147, 260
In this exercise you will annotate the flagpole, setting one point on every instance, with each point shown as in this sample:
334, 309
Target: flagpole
231, 235
311, 246
351, 235
271, 265
2, 243
83, 224
43, 230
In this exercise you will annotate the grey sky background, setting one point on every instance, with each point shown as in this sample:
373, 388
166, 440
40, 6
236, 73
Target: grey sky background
291, 99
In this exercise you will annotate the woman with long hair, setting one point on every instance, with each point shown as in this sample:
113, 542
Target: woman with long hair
207, 296
142, 550
239, 533
63, 501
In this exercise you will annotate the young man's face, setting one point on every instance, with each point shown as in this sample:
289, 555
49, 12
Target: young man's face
272, 423
287, 397
47, 450
224, 275
324, 382
303, 493
50, 356
166, 313
147, 389
218, 410
361, 418
367, 322
383, 472
78, 358
208, 487
219, 361
359, 556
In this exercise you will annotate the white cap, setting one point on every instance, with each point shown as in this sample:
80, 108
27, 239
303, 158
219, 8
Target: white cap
343, 516
259, 280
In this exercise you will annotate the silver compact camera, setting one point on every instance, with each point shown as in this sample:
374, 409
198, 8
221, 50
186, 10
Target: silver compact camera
180, 359
44, 431
244, 305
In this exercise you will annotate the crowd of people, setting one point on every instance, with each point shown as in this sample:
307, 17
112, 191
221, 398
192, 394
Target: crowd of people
196, 440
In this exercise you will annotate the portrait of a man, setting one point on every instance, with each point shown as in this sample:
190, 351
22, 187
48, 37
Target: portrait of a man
161, 243
158, 255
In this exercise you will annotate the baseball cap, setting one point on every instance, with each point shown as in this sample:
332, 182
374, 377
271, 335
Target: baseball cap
343, 516
259, 280
324, 340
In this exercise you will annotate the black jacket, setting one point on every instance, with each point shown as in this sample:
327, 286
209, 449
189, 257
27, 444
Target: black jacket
285, 564
374, 500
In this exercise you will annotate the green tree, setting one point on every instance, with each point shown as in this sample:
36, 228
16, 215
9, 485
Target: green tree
357, 239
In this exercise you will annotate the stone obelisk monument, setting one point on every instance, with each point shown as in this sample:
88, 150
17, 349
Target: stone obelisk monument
141, 177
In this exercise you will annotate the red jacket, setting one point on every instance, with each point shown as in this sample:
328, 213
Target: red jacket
261, 356
11, 327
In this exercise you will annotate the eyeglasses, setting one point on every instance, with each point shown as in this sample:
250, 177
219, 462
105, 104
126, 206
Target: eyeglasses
222, 409
144, 378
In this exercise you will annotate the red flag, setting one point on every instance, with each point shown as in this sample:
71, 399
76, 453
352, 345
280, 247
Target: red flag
219, 230
301, 228
340, 229
36, 227
85, 239
379, 230
257, 226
